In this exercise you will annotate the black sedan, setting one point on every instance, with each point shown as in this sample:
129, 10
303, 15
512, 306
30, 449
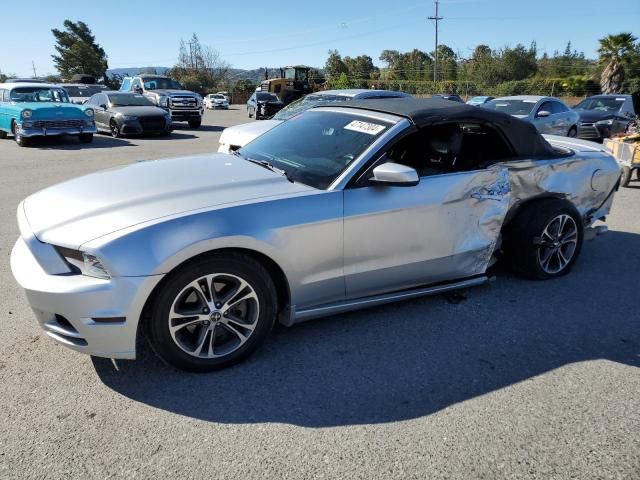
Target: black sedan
263, 105
120, 113
602, 116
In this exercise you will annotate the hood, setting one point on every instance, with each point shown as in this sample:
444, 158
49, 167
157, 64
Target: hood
240, 135
270, 102
591, 116
170, 92
520, 116
79, 210
139, 111
49, 110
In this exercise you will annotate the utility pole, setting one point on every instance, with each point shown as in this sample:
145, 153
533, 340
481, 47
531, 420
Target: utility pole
436, 19
33, 64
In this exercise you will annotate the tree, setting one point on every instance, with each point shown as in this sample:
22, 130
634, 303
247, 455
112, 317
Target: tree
334, 65
341, 82
200, 68
615, 51
78, 51
447, 63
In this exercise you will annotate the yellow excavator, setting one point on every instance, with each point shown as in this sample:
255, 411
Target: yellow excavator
292, 84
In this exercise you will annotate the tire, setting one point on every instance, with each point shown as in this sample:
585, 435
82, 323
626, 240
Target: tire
625, 176
573, 132
534, 247
85, 137
20, 140
114, 128
166, 133
256, 115
182, 345
195, 123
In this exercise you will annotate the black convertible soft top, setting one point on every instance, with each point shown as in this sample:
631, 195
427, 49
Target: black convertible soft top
523, 136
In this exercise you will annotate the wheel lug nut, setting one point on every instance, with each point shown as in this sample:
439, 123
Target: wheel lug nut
218, 305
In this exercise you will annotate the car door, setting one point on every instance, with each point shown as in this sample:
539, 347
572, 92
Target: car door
544, 124
444, 228
560, 122
98, 102
5, 124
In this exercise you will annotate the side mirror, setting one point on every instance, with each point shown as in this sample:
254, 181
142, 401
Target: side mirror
543, 113
103, 106
137, 89
394, 175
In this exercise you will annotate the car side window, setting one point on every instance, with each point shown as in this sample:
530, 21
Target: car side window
136, 84
557, 107
450, 148
545, 107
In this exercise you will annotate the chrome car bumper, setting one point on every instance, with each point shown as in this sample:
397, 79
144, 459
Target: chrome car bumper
90, 315
52, 132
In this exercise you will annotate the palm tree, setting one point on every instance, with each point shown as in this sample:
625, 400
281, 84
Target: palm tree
614, 51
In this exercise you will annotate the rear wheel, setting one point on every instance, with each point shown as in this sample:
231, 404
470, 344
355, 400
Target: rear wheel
625, 176
545, 239
195, 123
213, 314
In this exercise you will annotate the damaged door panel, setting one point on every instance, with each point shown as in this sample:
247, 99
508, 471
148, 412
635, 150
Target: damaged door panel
445, 227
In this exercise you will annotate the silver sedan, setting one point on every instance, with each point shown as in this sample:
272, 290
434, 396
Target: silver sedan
548, 114
341, 207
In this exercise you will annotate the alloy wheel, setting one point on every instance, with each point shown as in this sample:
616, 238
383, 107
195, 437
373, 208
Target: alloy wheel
214, 315
557, 244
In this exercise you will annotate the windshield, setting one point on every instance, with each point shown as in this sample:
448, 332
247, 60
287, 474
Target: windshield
125, 100
161, 83
267, 97
83, 90
306, 103
512, 107
601, 104
218, 97
315, 147
39, 94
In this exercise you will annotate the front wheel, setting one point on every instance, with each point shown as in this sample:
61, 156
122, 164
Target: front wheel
213, 313
545, 239
195, 123
20, 140
573, 132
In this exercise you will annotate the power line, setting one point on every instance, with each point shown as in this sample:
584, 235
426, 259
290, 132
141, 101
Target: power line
436, 19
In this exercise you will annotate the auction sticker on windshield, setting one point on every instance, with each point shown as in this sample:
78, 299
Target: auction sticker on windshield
364, 127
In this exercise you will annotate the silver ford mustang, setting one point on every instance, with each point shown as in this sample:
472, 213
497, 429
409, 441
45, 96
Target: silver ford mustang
338, 208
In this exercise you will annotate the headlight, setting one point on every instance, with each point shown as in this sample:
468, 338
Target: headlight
163, 100
27, 113
125, 117
84, 263
89, 112
605, 122
93, 267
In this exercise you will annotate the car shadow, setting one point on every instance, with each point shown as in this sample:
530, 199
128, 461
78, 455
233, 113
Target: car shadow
72, 143
202, 128
411, 359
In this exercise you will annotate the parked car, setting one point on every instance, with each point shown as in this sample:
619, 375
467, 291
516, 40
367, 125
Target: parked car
602, 116
233, 138
183, 105
345, 206
79, 92
226, 95
121, 113
448, 96
479, 100
25, 80
548, 114
29, 110
263, 105
216, 100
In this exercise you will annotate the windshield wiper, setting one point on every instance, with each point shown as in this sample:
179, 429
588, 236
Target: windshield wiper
265, 164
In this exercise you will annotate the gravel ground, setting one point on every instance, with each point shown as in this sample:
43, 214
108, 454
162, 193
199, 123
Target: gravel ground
517, 379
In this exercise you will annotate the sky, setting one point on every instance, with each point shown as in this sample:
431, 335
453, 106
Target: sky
249, 34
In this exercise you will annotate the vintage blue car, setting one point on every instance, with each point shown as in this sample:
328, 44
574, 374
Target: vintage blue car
30, 110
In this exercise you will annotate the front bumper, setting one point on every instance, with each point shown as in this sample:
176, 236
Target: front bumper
90, 315
134, 127
52, 132
184, 115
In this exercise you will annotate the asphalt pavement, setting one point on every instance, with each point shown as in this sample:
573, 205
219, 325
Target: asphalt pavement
514, 379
